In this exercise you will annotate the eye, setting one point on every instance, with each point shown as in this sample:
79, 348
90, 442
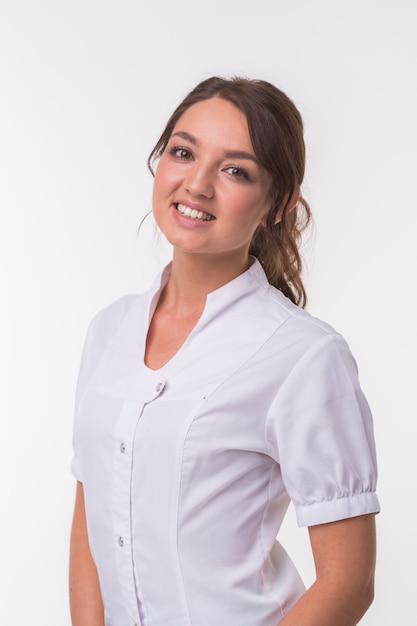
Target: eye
238, 172
184, 154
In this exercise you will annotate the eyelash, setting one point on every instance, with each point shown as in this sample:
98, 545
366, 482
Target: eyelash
173, 152
239, 172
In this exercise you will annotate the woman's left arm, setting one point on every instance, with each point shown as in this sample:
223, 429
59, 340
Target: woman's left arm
344, 556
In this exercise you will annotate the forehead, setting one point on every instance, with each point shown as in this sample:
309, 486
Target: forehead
215, 118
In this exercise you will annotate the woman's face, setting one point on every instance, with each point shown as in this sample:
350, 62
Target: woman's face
210, 192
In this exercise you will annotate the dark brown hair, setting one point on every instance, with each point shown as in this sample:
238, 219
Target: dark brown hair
276, 131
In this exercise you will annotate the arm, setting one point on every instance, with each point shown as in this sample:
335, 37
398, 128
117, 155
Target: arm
344, 557
85, 597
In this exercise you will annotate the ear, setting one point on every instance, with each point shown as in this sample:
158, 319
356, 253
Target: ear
291, 206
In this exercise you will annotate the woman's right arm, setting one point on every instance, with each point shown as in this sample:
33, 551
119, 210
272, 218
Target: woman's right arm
85, 596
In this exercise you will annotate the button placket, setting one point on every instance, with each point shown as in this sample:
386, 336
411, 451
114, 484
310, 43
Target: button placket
121, 494
150, 389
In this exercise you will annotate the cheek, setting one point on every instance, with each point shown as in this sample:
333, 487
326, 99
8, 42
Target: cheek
161, 181
249, 211
166, 175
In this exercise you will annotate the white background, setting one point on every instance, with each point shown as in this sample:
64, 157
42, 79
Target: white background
86, 87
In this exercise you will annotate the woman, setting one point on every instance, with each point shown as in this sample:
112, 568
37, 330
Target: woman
207, 404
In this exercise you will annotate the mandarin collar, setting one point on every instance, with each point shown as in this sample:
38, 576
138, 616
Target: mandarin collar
250, 280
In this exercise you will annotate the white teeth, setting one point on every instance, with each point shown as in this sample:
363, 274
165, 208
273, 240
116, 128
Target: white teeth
193, 213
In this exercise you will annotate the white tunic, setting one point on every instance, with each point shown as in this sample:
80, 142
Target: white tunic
188, 470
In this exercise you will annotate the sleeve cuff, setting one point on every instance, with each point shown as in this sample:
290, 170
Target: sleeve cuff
337, 509
75, 469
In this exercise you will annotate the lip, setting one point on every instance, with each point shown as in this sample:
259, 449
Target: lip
194, 205
189, 222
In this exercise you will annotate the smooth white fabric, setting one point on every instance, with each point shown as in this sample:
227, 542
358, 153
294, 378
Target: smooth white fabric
188, 470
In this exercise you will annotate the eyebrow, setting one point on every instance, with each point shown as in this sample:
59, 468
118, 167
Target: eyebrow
230, 154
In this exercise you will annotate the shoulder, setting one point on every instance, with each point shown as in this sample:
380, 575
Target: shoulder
273, 304
318, 358
299, 323
292, 332
107, 321
100, 333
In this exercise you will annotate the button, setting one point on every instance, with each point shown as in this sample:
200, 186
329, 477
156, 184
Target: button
122, 448
121, 542
159, 387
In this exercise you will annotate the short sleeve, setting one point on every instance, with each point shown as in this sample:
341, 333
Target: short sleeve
87, 365
320, 431
100, 331
99, 334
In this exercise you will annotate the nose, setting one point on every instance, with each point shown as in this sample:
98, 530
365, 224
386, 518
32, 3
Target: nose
199, 181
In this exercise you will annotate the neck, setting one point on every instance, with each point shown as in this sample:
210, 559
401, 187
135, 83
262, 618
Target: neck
193, 276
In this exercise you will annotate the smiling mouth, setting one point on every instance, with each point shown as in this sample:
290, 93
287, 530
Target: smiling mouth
194, 214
